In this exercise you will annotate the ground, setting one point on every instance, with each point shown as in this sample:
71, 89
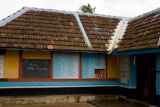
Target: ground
109, 103
55, 105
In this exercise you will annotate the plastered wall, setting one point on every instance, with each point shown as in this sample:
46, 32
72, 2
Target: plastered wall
11, 64
113, 67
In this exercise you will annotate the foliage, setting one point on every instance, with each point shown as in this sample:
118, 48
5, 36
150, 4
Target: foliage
87, 9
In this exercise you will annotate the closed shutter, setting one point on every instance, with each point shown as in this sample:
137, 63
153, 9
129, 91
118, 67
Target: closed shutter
65, 66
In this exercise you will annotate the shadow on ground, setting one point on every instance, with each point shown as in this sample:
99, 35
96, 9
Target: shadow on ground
115, 103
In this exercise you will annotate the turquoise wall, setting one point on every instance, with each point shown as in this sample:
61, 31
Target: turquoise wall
91, 61
57, 84
158, 75
132, 79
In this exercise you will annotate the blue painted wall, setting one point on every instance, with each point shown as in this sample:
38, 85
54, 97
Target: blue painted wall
158, 74
91, 61
135, 52
57, 84
132, 79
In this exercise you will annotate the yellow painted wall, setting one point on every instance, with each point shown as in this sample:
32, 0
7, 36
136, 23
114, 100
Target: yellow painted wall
112, 67
36, 55
11, 64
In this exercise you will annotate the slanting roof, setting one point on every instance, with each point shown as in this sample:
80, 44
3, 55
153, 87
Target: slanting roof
40, 29
51, 29
99, 29
142, 32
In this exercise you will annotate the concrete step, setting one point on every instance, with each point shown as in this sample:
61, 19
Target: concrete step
52, 99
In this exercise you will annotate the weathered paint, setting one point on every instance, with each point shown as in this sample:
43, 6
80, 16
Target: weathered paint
131, 74
158, 74
11, 64
113, 67
66, 65
91, 61
36, 54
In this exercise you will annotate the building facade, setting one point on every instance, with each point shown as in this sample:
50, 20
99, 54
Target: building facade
43, 48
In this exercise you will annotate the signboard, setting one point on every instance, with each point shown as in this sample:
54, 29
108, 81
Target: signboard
100, 73
36, 68
1, 65
124, 69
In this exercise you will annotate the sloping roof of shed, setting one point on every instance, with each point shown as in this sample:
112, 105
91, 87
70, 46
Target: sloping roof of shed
142, 32
39, 28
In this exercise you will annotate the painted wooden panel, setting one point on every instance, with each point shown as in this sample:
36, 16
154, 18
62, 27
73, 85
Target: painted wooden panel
36, 54
1, 65
113, 65
65, 66
92, 61
11, 64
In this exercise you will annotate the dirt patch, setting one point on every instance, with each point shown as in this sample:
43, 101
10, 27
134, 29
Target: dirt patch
55, 105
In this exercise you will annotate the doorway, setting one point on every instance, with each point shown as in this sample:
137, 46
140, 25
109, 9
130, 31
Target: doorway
146, 65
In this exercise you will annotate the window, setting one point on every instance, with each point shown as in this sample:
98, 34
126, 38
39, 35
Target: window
65, 65
36, 68
93, 65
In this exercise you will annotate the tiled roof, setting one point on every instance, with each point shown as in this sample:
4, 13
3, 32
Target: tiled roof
43, 29
142, 32
99, 30
38, 29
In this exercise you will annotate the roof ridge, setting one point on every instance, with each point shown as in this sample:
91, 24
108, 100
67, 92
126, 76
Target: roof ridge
145, 14
25, 9
72, 12
11, 17
118, 34
85, 36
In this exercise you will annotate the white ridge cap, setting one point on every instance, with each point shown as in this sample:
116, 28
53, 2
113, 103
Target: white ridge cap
50, 10
4, 21
86, 39
102, 15
117, 35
